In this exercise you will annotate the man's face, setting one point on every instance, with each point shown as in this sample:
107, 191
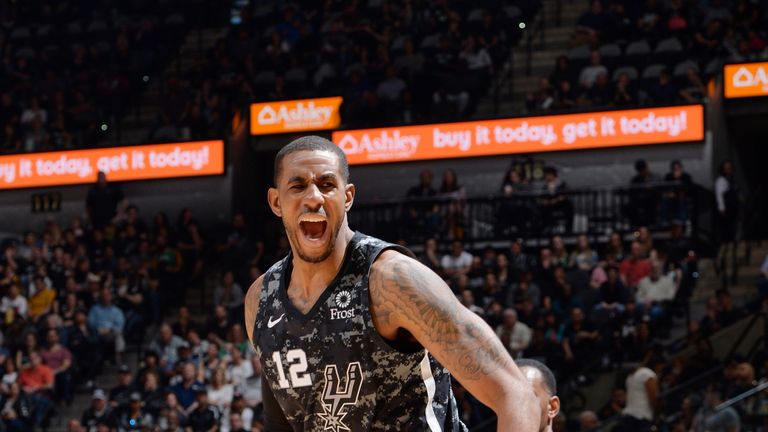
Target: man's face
312, 199
550, 405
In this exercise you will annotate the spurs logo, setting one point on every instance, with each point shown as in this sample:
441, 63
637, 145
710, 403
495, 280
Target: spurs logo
337, 395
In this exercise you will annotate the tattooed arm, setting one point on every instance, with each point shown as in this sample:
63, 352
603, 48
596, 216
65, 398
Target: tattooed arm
407, 295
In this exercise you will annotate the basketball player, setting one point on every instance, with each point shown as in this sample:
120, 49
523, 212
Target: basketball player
545, 386
356, 335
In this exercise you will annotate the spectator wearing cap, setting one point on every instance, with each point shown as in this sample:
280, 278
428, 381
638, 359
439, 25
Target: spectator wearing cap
106, 321
134, 416
120, 394
204, 416
185, 389
59, 359
98, 412
166, 345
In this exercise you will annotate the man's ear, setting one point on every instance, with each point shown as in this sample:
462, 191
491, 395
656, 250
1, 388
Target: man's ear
349, 196
274, 202
553, 407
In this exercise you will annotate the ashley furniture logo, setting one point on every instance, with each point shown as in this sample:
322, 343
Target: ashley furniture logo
295, 116
746, 80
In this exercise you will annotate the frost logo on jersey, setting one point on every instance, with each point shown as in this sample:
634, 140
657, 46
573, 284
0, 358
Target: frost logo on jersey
343, 299
337, 398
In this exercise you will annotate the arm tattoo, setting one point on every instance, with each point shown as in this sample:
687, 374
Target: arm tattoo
460, 339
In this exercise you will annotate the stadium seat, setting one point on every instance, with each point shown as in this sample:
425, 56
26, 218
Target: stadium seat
681, 69
637, 52
20, 33
610, 55
631, 72
668, 51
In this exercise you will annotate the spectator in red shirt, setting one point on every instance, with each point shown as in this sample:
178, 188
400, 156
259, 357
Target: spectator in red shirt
59, 359
634, 267
37, 377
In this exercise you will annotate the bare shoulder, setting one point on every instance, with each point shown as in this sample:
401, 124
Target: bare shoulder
251, 305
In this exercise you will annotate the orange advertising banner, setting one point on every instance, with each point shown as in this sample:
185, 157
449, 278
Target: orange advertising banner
142, 162
746, 80
523, 135
295, 115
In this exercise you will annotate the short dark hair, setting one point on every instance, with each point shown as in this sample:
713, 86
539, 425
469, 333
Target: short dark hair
312, 143
641, 165
547, 377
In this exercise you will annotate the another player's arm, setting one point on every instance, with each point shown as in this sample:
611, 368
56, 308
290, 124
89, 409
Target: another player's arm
406, 294
274, 418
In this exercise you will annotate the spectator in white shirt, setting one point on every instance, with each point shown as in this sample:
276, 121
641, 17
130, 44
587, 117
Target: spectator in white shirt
14, 302
458, 262
655, 289
516, 336
589, 74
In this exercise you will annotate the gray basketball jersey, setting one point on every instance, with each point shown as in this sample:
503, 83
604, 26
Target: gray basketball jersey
330, 370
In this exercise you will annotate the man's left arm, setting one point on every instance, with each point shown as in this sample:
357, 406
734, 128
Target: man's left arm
406, 294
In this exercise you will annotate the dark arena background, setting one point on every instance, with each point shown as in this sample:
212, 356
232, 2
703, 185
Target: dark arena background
586, 176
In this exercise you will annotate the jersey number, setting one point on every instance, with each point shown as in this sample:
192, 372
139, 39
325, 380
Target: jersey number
297, 369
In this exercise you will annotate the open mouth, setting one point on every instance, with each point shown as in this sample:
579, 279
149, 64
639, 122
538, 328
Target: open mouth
313, 229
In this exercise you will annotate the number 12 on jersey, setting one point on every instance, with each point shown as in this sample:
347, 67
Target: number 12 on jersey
297, 369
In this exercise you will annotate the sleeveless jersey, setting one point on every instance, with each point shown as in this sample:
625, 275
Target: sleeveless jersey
330, 370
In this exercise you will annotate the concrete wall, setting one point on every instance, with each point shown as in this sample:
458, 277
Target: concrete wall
209, 197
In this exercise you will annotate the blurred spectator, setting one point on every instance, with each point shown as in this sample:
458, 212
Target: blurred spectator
583, 257
101, 203
656, 290
59, 359
457, 263
762, 283
556, 209
135, 415
18, 409
430, 257
588, 421
642, 397
727, 197
188, 386
634, 267
204, 416
615, 405
708, 419
99, 412
515, 335
229, 294
675, 201
624, 93
106, 321
591, 24
119, 395
166, 345
727, 313
589, 73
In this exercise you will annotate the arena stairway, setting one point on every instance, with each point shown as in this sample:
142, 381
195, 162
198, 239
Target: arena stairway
556, 41
744, 291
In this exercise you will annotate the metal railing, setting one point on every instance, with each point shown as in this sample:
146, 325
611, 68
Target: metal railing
536, 215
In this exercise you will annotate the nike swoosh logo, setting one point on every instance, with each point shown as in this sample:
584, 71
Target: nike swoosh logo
271, 323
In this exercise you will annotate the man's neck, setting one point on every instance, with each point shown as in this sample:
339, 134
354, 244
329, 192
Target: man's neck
313, 275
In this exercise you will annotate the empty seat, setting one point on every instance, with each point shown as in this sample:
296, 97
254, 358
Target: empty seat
264, 78
20, 33
296, 74
397, 44
653, 71
175, 20
610, 50
713, 67
430, 41
74, 27
26, 52
682, 67
475, 15
638, 48
581, 52
97, 26
669, 45
512, 12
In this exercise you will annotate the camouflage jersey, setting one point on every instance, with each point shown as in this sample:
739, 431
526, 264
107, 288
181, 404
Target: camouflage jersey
330, 370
